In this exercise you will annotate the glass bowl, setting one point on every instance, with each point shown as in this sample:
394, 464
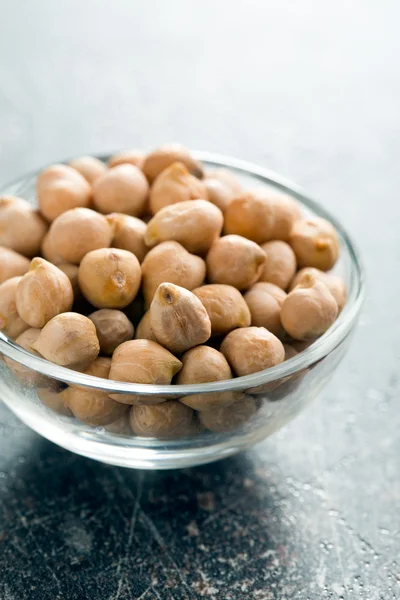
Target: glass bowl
272, 397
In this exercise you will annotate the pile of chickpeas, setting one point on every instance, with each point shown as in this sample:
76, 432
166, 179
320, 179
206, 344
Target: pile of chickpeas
149, 270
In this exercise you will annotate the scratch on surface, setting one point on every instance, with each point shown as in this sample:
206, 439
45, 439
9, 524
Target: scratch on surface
225, 509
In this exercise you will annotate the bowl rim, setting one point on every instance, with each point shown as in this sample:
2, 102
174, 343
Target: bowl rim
319, 348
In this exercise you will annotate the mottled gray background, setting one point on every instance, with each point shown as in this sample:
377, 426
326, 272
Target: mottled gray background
312, 90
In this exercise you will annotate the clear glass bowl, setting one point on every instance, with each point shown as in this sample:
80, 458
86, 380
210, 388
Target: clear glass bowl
276, 395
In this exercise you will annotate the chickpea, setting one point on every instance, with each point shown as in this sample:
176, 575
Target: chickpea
161, 158
132, 157
21, 227
309, 310
218, 193
48, 251
202, 365
121, 189
315, 243
89, 167
228, 418
112, 328
170, 262
53, 399
280, 264
178, 318
11, 323
129, 234
92, 406
43, 292
71, 272
12, 264
225, 307
60, 188
174, 185
234, 260
195, 224
109, 277
335, 284
26, 375
276, 292
264, 308
261, 216
252, 349
68, 340
227, 178
144, 330
142, 361
168, 420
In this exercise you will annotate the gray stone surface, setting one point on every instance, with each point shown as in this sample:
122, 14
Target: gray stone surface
312, 90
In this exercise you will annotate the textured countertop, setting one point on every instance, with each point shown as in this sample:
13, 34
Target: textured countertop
311, 90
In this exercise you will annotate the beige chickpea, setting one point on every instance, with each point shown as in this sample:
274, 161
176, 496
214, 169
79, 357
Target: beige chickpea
12, 264
129, 234
170, 262
11, 323
168, 420
225, 307
265, 309
52, 398
235, 260
261, 215
280, 264
60, 188
90, 405
227, 178
161, 158
24, 374
252, 349
131, 157
21, 227
89, 167
309, 310
334, 283
71, 272
112, 328
78, 231
144, 330
121, 189
174, 185
43, 292
178, 318
315, 243
202, 365
142, 361
68, 340
228, 418
109, 277
48, 252
218, 193
195, 224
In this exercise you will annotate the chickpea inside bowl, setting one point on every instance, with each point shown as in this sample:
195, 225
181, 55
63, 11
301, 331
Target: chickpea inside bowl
152, 393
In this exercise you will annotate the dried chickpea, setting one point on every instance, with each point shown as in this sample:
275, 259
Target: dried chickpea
11, 323
26, 375
112, 328
129, 234
92, 406
53, 399
131, 157
161, 158
252, 349
89, 167
280, 264
235, 260
60, 188
174, 185
12, 264
227, 178
218, 193
195, 224
144, 330
68, 340
309, 310
265, 309
334, 283
261, 215
315, 243
225, 307
142, 361
178, 318
228, 418
109, 277
21, 227
170, 262
43, 292
121, 189
202, 365
168, 420
47, 251
71, 272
